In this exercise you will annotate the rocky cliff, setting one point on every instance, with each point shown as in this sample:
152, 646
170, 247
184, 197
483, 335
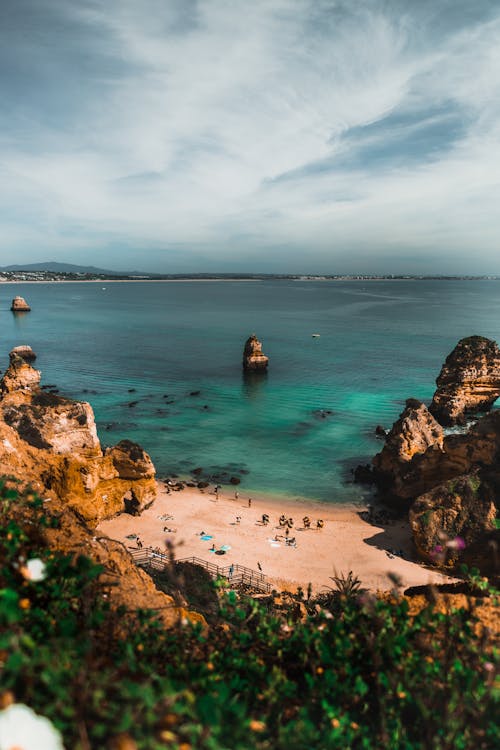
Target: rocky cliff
418, 456
449, 482
451, 517
253, 357
469, 380
51, 442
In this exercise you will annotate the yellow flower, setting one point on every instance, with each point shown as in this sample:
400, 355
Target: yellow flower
335, 723
257, 726
24, 603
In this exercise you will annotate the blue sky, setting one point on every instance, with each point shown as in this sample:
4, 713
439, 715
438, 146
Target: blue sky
333, 136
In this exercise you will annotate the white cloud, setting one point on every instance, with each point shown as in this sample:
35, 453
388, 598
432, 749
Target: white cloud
213, 104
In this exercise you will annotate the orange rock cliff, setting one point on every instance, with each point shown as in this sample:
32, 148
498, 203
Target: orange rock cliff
51, 442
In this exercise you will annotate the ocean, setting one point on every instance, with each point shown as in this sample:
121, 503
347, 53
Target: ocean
160, 362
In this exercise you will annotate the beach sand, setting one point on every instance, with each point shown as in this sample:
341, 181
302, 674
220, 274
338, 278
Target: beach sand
347, 542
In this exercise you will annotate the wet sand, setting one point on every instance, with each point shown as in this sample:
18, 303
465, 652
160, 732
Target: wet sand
347, 542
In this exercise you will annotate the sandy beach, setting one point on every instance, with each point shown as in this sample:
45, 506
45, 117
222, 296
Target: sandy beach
346, 542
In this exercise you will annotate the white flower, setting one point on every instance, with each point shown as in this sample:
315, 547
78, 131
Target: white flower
34, 570
22, 729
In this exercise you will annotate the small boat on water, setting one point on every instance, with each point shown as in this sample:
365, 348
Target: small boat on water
315, 335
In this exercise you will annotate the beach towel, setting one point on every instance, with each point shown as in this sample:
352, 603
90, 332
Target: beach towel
206, 537
226, 547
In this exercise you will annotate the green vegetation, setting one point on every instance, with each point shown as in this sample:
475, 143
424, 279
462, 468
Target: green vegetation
355, 672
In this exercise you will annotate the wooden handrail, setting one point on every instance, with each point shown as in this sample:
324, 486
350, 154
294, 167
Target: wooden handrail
235, 573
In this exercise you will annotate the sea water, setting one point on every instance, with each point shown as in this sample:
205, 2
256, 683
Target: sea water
138, 351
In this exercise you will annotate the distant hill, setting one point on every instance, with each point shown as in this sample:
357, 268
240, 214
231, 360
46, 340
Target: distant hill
56, 267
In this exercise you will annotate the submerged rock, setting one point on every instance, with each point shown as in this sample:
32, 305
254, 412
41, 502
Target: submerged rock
253, 357
469, 380
19, 304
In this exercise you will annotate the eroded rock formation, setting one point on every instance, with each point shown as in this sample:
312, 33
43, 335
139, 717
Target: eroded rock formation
469, 380
414, 432
404, 479
253, 358
451, 517
19, 304
25, 352
52, 443
449, 482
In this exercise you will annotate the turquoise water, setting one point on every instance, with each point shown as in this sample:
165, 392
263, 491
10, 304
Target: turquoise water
381, 342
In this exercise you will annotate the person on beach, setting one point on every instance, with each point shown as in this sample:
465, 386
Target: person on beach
259, 566
287, 531
307, 522
320, 523
236, 495
231, 570
139, 543
282, 520
238, 519
249, 502
265, 519
290, 523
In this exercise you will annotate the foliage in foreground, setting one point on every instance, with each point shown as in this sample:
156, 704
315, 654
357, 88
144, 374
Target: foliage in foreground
369, 676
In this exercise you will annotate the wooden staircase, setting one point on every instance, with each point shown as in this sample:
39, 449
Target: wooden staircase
235, 574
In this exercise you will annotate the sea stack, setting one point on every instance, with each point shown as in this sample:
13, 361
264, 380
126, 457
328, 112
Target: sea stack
253, 358
469, 380
19, 304
24, 351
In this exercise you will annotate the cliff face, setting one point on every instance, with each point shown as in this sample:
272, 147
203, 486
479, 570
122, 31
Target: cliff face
253, 357
469, 380
52, 443
449, 456
451, 517
452, 481
412, 434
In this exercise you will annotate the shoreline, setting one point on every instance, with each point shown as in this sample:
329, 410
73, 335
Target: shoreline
238, 279
346, 542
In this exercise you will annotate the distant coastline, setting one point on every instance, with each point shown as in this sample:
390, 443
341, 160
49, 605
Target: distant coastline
44, 277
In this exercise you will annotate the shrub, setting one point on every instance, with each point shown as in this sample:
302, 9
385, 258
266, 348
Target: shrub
371, 676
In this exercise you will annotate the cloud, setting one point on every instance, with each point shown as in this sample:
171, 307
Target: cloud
277, 134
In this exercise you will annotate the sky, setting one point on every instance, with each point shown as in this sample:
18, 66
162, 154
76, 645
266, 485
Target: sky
278, 136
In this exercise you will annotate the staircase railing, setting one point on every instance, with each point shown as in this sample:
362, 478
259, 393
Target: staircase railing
147, 557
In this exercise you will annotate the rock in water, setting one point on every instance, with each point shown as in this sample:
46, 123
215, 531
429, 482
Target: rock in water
25, 352
469, 380
19, 304
253, 358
